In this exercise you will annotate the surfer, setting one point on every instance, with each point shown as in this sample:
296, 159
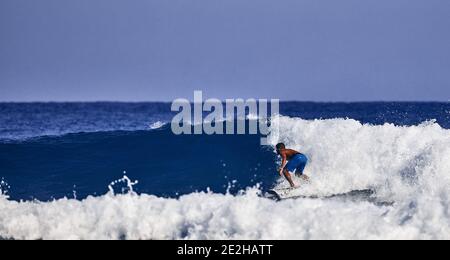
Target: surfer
292, 162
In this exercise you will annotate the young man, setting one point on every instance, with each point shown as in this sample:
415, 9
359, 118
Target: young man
292, 161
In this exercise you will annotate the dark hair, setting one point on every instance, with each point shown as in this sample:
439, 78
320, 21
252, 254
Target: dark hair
280, 146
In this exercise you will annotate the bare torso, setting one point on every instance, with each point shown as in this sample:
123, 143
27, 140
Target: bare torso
289, 153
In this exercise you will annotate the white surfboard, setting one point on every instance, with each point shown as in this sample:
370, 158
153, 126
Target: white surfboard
354, 195
282, 193
289, 192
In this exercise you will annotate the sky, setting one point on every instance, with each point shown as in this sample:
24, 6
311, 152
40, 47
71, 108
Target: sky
159, 50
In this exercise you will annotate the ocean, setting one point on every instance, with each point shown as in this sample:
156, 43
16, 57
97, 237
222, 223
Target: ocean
116, 171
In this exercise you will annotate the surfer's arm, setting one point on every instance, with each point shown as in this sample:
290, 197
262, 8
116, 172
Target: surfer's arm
283, 163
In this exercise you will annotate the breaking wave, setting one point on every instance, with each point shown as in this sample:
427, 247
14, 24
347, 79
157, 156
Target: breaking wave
405, 165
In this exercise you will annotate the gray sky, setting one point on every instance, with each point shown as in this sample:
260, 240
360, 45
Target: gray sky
149, 50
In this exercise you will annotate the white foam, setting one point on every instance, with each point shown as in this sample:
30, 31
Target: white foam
406, 165
217, 216
346, 155
157, 125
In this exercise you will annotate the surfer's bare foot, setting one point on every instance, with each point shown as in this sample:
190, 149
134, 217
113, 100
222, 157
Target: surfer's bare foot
305, 178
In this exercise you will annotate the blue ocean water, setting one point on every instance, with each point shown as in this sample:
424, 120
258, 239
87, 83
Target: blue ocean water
54, 150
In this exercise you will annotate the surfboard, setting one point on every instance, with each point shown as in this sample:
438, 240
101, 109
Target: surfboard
281, 193
354, 195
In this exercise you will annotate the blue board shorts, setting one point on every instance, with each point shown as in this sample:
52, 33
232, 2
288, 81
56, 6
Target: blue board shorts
297, 164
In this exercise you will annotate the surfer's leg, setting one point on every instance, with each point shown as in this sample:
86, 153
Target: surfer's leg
289, 178
301, 168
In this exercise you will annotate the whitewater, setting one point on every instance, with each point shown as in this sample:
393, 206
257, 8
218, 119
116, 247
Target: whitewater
407, 166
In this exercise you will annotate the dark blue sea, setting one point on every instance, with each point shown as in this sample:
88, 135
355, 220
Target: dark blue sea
70, 158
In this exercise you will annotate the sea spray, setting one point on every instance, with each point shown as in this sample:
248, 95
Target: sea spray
156, 125
127, 189
4, 188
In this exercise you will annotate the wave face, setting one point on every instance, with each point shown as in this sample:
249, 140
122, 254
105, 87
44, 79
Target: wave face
166, 165
212, 187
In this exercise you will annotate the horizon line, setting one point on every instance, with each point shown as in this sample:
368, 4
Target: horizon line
223, 100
